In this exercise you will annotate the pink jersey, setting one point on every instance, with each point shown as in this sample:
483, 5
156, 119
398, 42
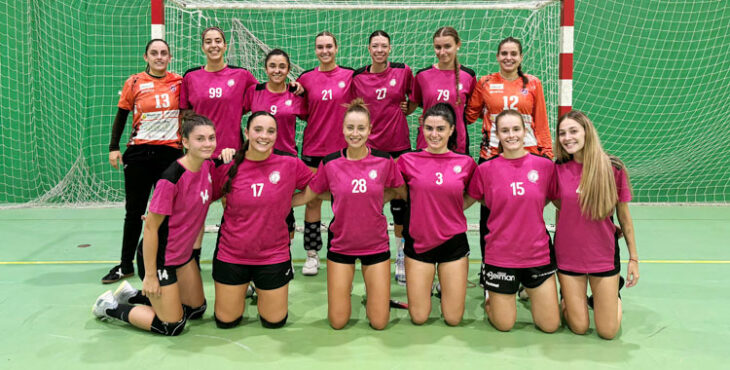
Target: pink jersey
436, 186
218, 96
285, 106
516, 191
383, 93
326, 94
358, 226
581, 244
432, 86
183, 196
254, 229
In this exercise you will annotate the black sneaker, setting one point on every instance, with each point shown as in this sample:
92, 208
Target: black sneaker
116, 274
621, 282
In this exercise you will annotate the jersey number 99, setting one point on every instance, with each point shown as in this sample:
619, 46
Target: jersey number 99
215, 92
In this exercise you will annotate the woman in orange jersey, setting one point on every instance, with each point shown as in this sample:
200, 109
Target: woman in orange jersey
153, 97
510, 88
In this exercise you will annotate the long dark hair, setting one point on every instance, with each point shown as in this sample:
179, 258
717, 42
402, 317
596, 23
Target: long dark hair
451, 32
147, 48
445, 111
241, 153
519, 67
191, 121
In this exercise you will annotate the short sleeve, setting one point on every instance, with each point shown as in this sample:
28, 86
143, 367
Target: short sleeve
476, 186
163, 197
219, 176
402, 167
320, 182
415, 95
304, 174
184, 94
300, 107
248, 98
126, 100
409, 80
552, 186
394, 179
622, 185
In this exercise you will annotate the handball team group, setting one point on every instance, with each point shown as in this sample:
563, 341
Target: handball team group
188, 149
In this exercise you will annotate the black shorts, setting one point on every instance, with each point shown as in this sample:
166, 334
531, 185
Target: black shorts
507, 280
311, 161
451, 250
265, 277
399, 153
291, 222
167, 275
365, 260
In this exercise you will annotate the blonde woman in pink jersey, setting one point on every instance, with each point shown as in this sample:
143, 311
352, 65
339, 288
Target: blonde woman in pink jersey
435, 226
591, 186
516, 185
358, 179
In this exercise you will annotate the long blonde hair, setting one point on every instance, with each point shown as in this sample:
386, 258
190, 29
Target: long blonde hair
598, 195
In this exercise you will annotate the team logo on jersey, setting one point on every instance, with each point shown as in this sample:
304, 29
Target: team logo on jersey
231, 83
146, 86
461, 87
496, 86
457, 169
274, 177
341, 84
533, 176
392, 82
210, 179
173, 88
373, 174
288, 103
523, 91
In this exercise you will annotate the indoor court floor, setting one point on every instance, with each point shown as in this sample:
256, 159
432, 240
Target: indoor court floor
51, 261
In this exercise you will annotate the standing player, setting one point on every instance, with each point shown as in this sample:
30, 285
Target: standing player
590, 186
216, 90
384, 85
153, 95
278, 98
518, 250
510, 88
328, 89
435, 226
253, 242
170, 278
446, 81
357, 178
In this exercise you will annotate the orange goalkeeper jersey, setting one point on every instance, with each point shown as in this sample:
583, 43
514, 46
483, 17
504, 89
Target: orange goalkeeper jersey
154, 102
493, 94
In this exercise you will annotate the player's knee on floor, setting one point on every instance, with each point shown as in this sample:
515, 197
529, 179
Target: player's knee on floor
397, 208
273, 325
169, 329
226, 325
194, 313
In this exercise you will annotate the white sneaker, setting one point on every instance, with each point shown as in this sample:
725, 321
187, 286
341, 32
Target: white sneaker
105, 301
124, 292
250, 291
311, 265
400, 263
550, 228
522, 294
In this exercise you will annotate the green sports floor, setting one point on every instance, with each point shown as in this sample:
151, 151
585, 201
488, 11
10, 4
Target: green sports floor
676, 318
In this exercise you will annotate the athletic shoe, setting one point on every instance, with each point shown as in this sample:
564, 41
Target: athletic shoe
250, 291
116, 274
550, 228
621, 282
311, 265
124, 292
400, 263
436, 290
104, 302
522, 293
